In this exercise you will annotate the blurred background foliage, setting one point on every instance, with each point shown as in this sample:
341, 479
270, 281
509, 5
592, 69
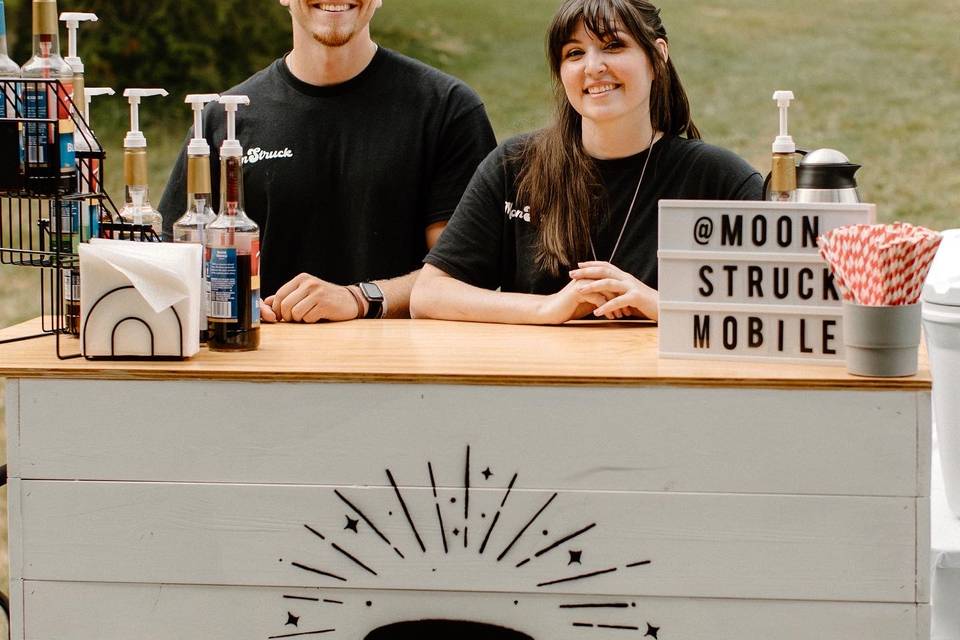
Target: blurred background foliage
194, 46
185, 46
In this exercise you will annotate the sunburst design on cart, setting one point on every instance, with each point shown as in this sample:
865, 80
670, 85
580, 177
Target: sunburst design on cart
492, 533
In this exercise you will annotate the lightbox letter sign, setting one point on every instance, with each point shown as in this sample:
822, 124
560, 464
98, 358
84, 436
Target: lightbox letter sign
744, 280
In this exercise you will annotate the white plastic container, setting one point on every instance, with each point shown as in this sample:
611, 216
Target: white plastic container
941, 325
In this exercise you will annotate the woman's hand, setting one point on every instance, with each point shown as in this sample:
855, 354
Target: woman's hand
570, 303
624, 295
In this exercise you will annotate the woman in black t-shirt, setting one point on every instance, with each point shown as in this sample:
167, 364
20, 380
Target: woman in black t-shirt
564, 221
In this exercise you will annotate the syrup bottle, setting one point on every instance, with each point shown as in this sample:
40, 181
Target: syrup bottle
137, 208
191, 226
11, 154
91, 214
232, 253
49, 168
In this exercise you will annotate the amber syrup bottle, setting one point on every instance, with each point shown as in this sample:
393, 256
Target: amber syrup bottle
232, 253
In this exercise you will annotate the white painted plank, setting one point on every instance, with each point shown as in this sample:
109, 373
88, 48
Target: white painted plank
924, 443
97, 611
697, 545
15, 554
923, 550
645, 439
14, 521
924, 619
12, 411
924, 470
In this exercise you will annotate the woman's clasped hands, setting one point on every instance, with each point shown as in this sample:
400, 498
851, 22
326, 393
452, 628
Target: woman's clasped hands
613, 292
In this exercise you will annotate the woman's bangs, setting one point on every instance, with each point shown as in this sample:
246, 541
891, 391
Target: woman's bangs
599, 17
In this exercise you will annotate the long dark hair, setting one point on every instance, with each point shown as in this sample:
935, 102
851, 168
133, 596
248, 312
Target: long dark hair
557, 178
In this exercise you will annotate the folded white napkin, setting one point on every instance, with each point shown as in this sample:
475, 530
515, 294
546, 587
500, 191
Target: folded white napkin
139, 298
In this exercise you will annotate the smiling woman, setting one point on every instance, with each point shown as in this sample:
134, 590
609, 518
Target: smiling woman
564, 221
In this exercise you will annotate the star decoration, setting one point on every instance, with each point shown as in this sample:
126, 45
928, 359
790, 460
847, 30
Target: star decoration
575, 557
652, 631
487, 473
352, 524
292, 619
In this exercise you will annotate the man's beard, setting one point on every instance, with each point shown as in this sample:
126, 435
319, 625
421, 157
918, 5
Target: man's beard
333, 37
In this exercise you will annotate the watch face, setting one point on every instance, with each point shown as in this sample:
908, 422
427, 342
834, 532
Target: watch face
371, 292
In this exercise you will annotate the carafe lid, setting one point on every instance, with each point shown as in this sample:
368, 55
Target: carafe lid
825, 156
942, 285
826, 169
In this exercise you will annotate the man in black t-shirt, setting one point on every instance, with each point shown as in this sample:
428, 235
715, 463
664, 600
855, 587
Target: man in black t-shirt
355, 158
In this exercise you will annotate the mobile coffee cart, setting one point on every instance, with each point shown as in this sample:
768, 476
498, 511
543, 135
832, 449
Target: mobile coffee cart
533, 482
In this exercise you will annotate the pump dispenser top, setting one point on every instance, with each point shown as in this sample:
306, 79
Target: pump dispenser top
783, 142
231, 146
91, 93
82, 143
135, 138
73, 21
198, 144
783, 174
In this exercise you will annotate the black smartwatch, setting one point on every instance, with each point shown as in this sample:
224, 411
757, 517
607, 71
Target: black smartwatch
376, 304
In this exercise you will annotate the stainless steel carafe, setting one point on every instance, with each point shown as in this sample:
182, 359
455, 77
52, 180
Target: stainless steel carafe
826, 175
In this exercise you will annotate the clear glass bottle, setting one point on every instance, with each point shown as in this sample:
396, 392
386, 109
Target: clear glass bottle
191, 227
232, 257
11, 142
138, 210
44, 173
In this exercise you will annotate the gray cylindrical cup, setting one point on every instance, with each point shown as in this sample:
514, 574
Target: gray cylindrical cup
881, 341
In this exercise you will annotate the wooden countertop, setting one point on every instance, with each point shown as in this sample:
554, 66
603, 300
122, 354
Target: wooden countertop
590, 353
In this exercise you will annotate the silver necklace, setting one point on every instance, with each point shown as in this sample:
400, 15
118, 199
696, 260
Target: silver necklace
626, 220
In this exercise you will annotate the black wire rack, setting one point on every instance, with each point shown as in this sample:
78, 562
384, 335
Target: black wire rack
47, 210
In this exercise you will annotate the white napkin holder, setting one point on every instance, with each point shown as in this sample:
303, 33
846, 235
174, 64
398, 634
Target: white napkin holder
139, 300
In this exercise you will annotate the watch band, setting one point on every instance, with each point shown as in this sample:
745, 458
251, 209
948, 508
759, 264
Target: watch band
356, 293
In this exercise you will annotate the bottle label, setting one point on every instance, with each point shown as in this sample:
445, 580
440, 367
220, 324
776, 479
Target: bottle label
69, 229
255, 282
222, 278
10, 103
71, 285
37, 135
205, 301
68, 158
94, 219
64, 96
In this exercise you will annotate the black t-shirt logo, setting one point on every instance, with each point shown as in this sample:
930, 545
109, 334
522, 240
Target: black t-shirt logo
516, 214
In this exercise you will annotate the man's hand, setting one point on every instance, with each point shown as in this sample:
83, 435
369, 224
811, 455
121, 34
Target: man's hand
309, 299
625, 294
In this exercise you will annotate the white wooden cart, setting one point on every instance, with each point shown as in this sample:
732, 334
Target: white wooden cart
526, 482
